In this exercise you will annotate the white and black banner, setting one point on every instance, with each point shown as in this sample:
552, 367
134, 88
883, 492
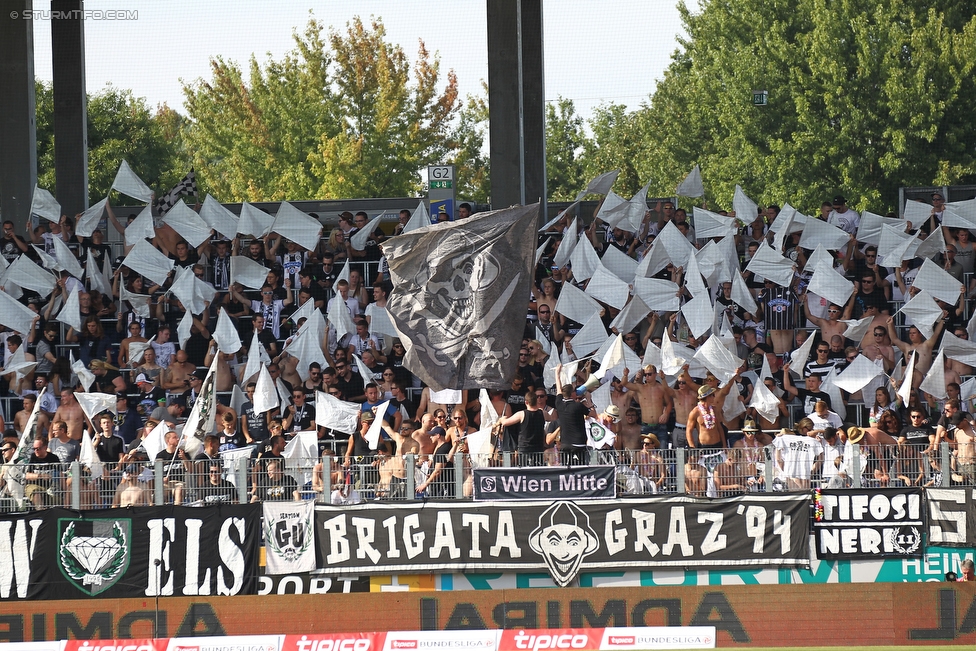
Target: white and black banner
543, 483
134, 552
952, 518
869, 523
289, 537
562, 536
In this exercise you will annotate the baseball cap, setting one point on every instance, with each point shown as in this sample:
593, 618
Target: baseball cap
438, 431
141, 378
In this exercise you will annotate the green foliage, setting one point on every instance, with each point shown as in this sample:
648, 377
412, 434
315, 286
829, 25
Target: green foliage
470, 155
564, 144
864, 97
340, 116
120, 126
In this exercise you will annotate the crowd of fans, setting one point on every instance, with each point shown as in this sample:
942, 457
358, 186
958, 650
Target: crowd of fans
726, 445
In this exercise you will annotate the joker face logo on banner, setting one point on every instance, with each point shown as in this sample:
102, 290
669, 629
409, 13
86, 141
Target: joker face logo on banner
563, 539
94, 554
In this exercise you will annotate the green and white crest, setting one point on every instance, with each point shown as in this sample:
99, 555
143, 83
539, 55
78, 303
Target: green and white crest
94, 554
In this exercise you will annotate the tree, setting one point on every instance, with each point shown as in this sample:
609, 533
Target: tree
564, 144
613, 146
470, 158
340, 116
864, 97
120, 126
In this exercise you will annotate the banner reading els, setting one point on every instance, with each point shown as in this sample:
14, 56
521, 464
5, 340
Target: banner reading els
334, 642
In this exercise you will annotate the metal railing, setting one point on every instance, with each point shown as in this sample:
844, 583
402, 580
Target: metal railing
694, 472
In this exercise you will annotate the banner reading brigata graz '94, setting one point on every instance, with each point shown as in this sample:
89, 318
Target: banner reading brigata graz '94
140, 552
563, 536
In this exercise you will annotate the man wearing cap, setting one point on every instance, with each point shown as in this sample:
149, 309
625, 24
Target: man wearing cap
843, 217
127, 420
707, 418
149, 395
655, 403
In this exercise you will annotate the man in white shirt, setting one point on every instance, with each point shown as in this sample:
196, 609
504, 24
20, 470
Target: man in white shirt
843, 217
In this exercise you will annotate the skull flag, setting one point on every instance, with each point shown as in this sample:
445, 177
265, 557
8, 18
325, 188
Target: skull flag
460, 293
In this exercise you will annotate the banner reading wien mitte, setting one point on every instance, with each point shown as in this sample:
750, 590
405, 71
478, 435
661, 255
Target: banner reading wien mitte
544, 483
457, 290
137, 552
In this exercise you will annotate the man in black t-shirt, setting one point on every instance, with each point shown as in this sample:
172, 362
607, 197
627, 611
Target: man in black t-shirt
41, 475
217, 490
917, 432
276, 486
254, 425
572, 430
808, 396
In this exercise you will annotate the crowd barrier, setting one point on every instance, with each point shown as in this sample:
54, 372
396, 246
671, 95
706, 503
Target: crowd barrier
735, 471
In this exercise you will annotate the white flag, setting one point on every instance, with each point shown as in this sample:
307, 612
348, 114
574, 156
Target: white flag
256, 356
43, 204
225, 334
359, 238
419, 219
373, 433
144, 259
297, 226
247, 272
141, 228
336, 414
89, 220
254, 221
87, 456
96, 279
86, 377
155, 441
692, 185
15, 316
128, 183
265, 394
219, 218
70, 313
600, 185
95, 403
187, 223
202, 417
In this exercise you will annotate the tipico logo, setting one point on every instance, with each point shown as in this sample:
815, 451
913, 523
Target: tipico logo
94, 554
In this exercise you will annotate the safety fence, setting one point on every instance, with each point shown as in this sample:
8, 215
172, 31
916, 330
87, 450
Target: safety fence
788, 467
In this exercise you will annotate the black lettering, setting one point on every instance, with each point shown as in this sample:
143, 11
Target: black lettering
553, 618
502, 614
99, 627
11, 628
428, 614
39, 626
947, 620
615, 609
727, 620
156, 619
968, 624
672, 607
465, 616
200, 620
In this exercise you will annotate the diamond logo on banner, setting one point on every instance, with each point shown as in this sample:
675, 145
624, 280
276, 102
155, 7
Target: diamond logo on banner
94, 554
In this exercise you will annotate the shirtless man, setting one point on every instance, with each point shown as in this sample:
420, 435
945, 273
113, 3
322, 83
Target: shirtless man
422, 435
655, 403
225, 378
880, 348
131, 492
70, 412
134, 336
830, 326
684, 399
918, 343
20, 418
176, 378
629, 436
966, 449
707, 418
